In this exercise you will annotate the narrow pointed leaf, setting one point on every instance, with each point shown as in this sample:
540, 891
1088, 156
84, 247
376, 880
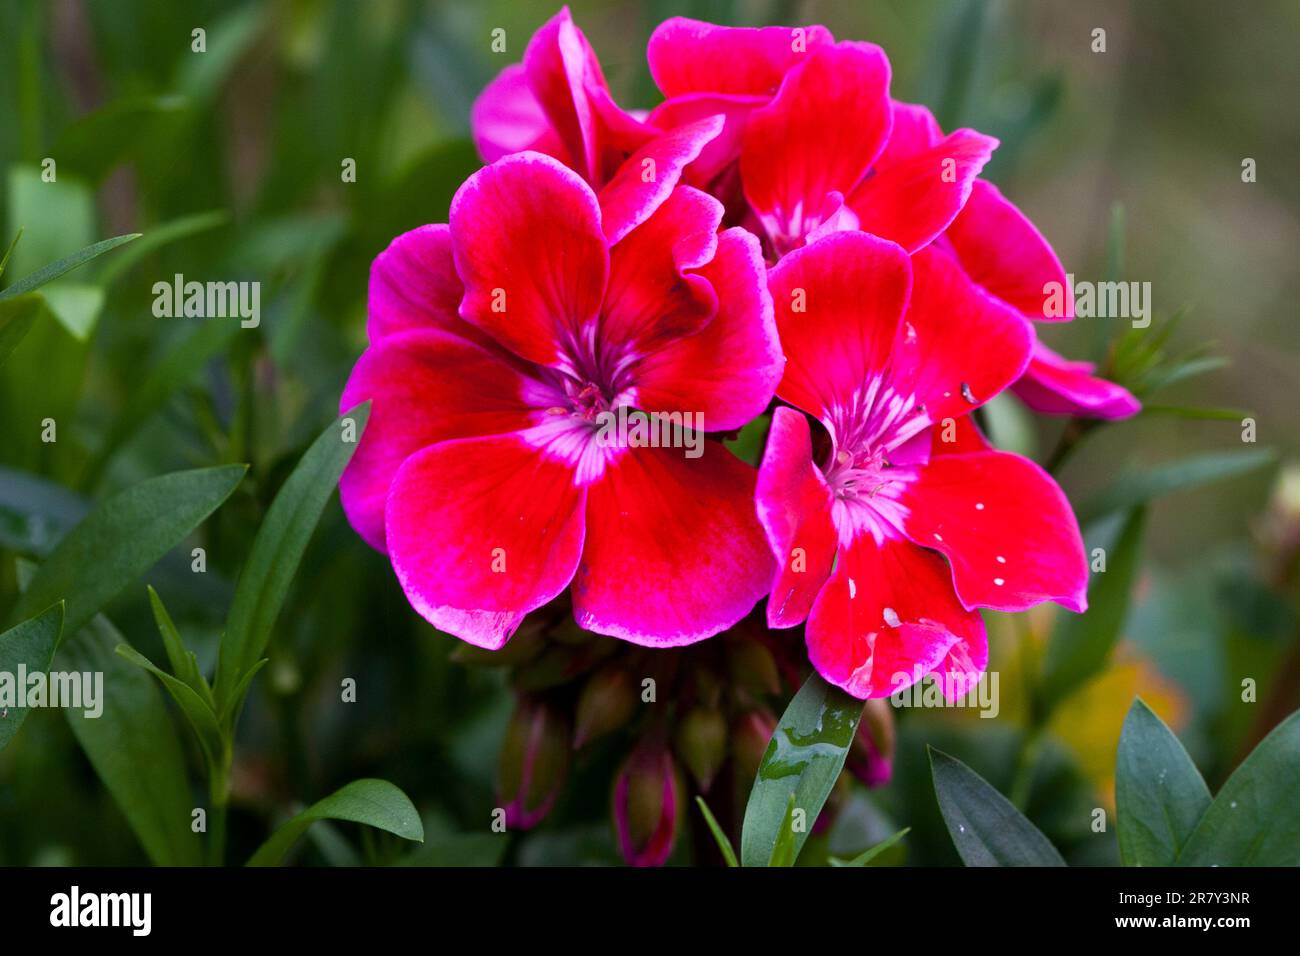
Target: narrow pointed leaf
55, 269
1160, 796
985, 826
376, 803
862, 859
195, 709
278, 549
184, 665
17, 316
123, 538
719, 837
803, 760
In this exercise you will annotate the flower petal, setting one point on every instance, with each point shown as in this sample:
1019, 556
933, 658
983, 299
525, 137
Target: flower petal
1003, 252
426, 386
1053, 385
674, 551
839, 302
794, 505
528, 244
630, 198
1005, 527
691, 56
961, 346
566, 79
886, 618
481, 531
913, 200
724, 149
820, 135
414, 285
728, 370
506, 118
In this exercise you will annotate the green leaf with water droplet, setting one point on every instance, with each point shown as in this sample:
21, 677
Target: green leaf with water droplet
1160, 796
985, 826
1255, 819
802, 762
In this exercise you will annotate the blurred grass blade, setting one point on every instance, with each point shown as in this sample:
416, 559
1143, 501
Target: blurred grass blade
177, 367
4, 262
133, 747
862, 859
158, 237
1080, 643
123, 538
719, 837
278, 549
17, 316
803, 760
1138, 487
376, 803
31, 645
55, 269
1255, 819
985, 827
1160, 796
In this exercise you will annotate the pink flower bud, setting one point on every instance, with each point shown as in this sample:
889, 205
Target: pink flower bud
534, 763
648, 799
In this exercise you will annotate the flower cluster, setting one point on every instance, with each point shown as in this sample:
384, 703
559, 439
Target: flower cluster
777, 244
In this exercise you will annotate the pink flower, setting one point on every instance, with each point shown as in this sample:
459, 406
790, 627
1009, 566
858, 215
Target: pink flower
862, 525
648, 802
497, 342
818, 144
1001, 250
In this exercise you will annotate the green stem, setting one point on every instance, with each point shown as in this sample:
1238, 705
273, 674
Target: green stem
219, 789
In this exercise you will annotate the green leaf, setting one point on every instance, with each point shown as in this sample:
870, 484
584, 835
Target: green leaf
17, 316
862, 859
4, 262
803, 760
55, 269
1159, 794
36, 513
786, 849
158, 237
184, 664
30, 645
1081, 643
195, 709
133, 747
376, 803
278, 549
985, 826
719, 837
1138, 487
1255, 819
123, 538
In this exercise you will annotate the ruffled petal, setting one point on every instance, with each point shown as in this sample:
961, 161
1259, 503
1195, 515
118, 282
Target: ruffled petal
506, 118
728, 370
691, 56
674, 551
819, 136
425, 387
647, 178
1005, 527
839, 303
724, 149
565, 77
414, 285
794, 505
1003, 252
886, 618
960, 345
482, 531
913, 200
528, 244
914, 130
1053, 385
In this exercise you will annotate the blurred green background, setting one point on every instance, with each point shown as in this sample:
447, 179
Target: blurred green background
229, 162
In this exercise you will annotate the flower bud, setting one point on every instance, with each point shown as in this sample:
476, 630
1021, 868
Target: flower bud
607, 702
648, 800
534, 763
871, 758
702, 743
